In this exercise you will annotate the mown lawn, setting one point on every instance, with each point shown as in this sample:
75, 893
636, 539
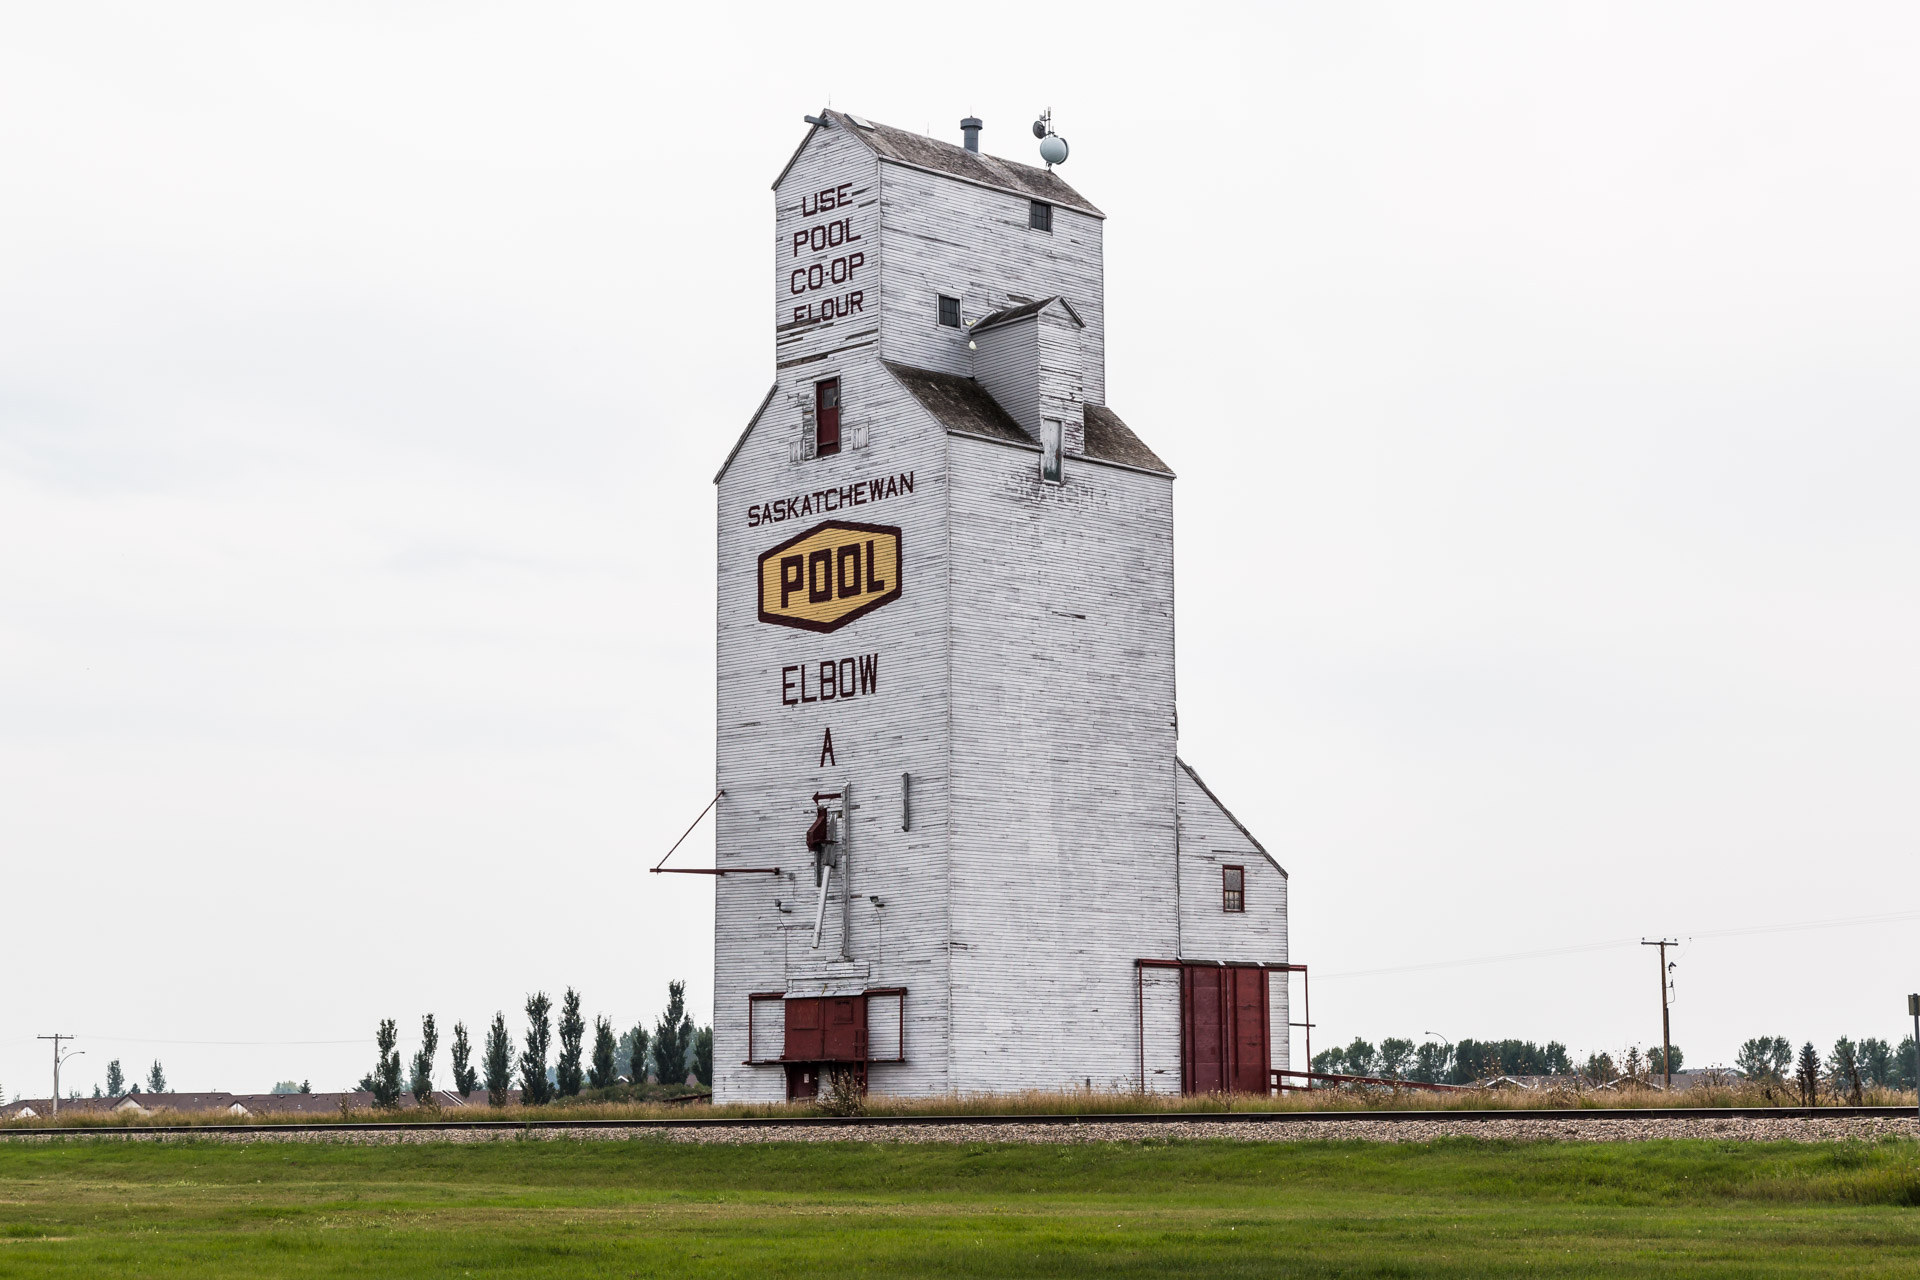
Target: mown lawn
650, 1208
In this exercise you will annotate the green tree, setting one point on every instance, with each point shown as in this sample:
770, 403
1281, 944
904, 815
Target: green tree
1361, 1058
673, 1036
1656, 1064
1599, 1069
703, 1056
156, 1078
1843, 1070
1902, 1073
499, 1062
1807, 1076
1556, 1061
602, 1072
116, 1080
1331, 1062
422, 1081
535, 1089
1396, 1057
1876, 1062
284, 1087
383, 1082
1430, 1062
633, 1050
1764, 1058
465, 1078
572, 1029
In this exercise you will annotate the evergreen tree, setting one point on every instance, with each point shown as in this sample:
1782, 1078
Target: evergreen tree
383, 1082
1843, 1070
1902, 1073
1599, 1069
96, 1091
306, 1086
1808, 1075
422, 1082
116, 1080
1656, 1064
601, 1074
637, 1044
573, 1029
673, 1036
1876, 1062
156, 1078
703, 1056
465, 1078
499, 1061
535, 1088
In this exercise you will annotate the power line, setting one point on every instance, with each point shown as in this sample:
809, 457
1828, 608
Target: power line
151, 1040
1890, 917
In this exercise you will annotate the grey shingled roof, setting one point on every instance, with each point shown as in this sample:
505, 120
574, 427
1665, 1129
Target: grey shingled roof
963, 405
970, 166
1021, 312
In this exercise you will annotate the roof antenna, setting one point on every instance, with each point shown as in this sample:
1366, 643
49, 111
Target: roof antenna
1053, 147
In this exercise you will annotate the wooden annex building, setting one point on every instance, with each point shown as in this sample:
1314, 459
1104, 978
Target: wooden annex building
957, 850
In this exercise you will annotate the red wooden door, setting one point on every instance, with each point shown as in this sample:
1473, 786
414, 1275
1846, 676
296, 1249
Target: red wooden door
1223, 1029
805, 1039
846, 1028
1202, 1029
1249, 1048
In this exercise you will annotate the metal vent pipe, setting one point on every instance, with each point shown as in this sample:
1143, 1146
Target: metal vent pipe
970, 130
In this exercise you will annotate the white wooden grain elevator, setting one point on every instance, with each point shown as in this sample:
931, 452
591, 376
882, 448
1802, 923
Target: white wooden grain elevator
946, 671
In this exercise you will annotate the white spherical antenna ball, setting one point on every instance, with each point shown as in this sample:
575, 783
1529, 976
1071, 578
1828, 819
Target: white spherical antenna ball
1053, 149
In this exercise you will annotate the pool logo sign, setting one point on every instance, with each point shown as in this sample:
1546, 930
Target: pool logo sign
833, 573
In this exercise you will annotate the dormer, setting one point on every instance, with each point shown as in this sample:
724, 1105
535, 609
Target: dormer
1032, 359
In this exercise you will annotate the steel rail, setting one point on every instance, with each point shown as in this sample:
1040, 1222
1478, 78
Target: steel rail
1280, 1118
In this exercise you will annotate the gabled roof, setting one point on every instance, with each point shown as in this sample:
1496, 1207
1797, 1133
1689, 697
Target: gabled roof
1238, 825
920, 152
1010, 314
964, 407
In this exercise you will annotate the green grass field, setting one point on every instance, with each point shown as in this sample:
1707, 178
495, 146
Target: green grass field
650, 1208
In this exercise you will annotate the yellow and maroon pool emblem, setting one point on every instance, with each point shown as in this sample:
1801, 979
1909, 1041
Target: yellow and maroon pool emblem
831, 574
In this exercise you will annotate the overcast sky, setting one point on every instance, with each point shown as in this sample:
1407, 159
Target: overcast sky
1542, 382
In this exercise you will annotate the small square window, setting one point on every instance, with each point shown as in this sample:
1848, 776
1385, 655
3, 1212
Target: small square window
949, 311
1233, 888
1040, 215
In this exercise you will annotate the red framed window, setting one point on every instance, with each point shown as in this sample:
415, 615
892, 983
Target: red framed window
826, 417
1233, 888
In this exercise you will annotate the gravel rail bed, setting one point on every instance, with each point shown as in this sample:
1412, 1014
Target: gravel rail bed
1518, 1128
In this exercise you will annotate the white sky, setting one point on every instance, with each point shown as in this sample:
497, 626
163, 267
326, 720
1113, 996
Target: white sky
1542, 382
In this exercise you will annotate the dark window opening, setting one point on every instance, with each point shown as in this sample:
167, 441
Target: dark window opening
1233, 888
1040, 215
949, 311
826, 417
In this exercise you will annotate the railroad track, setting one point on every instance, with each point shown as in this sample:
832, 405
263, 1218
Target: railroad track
1278, 1119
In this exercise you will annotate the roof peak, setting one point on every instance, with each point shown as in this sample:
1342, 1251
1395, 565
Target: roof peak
918, 151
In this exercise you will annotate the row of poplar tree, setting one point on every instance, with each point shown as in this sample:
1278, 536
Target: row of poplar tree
673, 1051
1852, 1065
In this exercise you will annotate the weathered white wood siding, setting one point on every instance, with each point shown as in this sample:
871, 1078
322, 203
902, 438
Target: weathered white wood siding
769, 753
835, 163
973, 243
1061, 376
1007, 364
1210, 840
1063, 775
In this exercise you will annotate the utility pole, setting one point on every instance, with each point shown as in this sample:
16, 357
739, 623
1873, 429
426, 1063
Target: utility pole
58, 1058
1666, 1030
1913, 1007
